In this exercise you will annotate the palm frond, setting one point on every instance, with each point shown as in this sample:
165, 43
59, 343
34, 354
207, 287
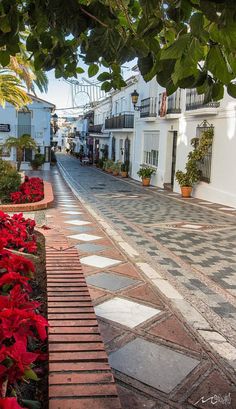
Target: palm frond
11, 91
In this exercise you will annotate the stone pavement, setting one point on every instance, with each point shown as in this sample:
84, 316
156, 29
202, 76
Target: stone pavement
165, 352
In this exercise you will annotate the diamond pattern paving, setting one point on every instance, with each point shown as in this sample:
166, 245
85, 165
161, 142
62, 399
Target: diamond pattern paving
70, 206
125, 312
214, 392
171, 330
109, 281
154, 365
72, 212
77, 222
99, 261
84, 237
90, 247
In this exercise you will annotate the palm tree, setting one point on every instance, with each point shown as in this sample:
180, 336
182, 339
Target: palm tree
24, 68
11, 90
20, 144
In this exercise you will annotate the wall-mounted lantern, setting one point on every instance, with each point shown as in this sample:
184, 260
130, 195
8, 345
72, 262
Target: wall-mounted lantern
134, 98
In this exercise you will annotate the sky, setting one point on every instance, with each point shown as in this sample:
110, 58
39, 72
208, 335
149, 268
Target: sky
59, 91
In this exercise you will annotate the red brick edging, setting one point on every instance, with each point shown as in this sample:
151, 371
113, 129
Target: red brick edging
79, 373
29, 207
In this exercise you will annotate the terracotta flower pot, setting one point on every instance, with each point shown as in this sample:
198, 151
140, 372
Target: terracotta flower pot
186, 191
115, 173
124, 174
146, 182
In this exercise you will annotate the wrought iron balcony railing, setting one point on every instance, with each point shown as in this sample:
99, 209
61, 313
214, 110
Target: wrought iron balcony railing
195, 101
95, 128
123, 120
169, 105
148, 107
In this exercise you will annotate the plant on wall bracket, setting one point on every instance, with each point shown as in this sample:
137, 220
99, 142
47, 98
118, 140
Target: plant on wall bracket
192, 174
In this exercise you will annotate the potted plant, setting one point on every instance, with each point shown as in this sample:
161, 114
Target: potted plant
124, 169
192, 173
116, 168
145, 172
38, 161
109, 166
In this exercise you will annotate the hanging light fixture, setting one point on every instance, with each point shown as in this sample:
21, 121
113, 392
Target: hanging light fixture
134, 98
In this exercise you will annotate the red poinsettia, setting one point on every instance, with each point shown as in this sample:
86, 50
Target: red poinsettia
17, 360
17, 299
30, 191
9, 403
20, 324
11, 279
18, 233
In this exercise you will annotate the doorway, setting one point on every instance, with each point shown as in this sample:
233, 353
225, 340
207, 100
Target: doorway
173, 162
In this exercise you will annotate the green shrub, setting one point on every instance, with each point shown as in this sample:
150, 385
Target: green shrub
5, 167
9, 182
37, 161
146, 171
100, 163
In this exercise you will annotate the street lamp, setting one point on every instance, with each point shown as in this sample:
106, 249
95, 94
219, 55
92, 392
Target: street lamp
134, 98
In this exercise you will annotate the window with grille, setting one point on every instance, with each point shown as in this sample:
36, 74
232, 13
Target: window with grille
151, 148
204, 165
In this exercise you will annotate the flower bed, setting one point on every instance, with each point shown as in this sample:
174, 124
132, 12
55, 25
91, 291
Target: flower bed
17, 233
22, 327
29, 192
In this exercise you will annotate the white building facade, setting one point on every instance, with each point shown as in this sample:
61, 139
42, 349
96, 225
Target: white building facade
33, 120
158, 132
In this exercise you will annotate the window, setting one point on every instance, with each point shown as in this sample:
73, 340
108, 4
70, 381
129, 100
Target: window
151, 148
28, 155
205, 134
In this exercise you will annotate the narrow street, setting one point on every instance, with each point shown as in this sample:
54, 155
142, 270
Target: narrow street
161, 274
199, 259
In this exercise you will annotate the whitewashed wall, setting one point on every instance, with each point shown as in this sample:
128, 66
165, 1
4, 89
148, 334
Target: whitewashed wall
222, 186
40, 122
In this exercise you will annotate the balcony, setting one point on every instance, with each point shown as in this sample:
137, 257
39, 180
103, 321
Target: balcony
25, 129
95, 128
148, 108
195, 104
170, 107
124, 120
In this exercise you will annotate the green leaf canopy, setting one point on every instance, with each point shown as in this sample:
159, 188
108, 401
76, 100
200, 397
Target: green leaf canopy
197, 37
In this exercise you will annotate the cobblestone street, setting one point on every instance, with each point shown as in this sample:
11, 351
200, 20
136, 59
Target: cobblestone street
161, 273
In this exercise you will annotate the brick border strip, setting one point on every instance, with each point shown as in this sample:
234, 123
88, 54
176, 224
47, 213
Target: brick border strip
29, 207
79, 373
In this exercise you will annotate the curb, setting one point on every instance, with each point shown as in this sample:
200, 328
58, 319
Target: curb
29, 207
79, 373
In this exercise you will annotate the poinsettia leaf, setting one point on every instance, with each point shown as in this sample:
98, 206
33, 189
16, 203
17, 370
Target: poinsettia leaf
30, 374
31, 404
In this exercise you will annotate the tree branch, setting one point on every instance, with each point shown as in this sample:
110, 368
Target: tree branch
93, 17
